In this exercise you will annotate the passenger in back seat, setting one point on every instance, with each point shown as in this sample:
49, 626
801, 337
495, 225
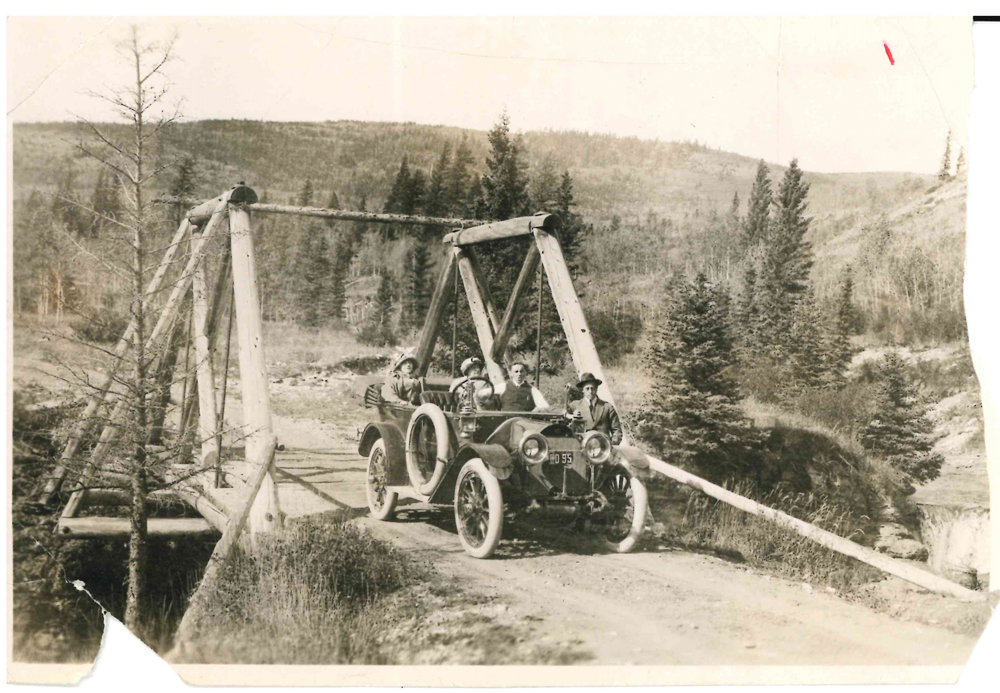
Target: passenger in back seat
402, 387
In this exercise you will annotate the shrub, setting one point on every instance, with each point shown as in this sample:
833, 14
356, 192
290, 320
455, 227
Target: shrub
104, 327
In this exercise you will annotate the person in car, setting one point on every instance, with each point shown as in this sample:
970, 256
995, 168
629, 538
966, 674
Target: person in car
403, 387
516, 394
472, 367
597, 414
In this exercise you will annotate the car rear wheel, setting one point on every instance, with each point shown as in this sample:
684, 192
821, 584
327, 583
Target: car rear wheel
478, 509
381, 501
626, 518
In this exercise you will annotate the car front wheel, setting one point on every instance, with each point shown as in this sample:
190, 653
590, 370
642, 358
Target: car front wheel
626, 516
478, 509
381, 501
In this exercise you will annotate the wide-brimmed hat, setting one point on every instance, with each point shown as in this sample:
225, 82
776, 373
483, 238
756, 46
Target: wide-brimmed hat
588, 378
403, 358
469, 363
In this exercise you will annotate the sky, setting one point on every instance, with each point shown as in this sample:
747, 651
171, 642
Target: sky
822, 90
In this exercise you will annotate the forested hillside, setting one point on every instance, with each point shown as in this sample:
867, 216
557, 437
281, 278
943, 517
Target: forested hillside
646, 210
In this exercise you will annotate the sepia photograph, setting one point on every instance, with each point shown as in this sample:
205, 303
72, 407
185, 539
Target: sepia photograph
588, 344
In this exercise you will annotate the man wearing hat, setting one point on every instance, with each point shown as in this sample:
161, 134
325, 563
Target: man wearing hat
472, 367
402, 386
598, 415
517, 394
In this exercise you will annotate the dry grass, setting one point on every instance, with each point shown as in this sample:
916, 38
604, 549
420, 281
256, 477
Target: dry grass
289, 346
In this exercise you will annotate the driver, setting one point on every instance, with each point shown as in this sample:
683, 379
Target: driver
516, 394
402, 387
463, 386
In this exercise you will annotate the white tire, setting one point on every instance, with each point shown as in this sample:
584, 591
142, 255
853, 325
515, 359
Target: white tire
478, 509
381, 501
624, 488
427, 485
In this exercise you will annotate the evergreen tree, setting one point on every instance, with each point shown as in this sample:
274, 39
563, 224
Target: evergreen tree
505, 185
545, 187
571, 229
437, 202
184, 185
945, 172
65, 208
104, 202
733, 220
789, 255
416, 297
691, 414
808, 365
306, 194
458, 181
757, 223
337, 293
960, 162
475, 204
748, 317
394, 204
899, 430
312, 272
416, 191
839, 352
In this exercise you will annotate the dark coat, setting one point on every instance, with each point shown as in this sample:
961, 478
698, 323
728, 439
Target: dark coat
604, 419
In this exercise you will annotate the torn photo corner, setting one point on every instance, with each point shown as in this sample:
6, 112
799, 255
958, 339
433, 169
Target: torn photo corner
598, 351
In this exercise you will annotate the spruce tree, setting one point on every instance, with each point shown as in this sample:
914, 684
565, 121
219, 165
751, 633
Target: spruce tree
839, 352
313, 270
306, 194
757, 223
691, 414
789, 253
184, 184
571, 228
505, 185
65, 207
415, 193
808, 365
458, 181
416, 297
899, 430
545, 186
397, 196
733, 220
945, 172
337, 294
377, 330
960, 162
437, 202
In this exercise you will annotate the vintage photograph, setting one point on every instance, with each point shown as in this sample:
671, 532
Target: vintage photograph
494, 341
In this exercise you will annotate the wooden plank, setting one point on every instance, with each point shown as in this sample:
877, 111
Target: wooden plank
831, 541
504, 358
435, 314
521, 287
208, 420
221, 553
511, 228
204, 504
257, 428
116, 497
93, 527
238, 194
574, 323
480, 317
83, 424
180, 287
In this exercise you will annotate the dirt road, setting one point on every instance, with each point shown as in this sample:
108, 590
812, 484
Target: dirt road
668, 607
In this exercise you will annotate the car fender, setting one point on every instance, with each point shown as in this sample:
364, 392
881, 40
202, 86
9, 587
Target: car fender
495, 457
395, 450
633, 459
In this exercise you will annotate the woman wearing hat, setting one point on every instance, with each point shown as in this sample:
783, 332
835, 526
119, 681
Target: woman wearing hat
598, 415
464, 390
403, 387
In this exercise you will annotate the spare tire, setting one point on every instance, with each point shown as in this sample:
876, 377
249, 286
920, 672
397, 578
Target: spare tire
427, 417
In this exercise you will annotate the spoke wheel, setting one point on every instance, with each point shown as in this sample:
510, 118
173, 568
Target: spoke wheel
625, 519
478, 509
381, 501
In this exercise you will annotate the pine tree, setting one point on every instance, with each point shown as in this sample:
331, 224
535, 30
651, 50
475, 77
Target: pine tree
545, 186
571, 229
337, 294
306, 194
808, 365
747, 316
415, 194
691, 414
437, 202
788, 253
396, 201
899, 430
945, 172
505, 186
960, 162
733, 220
184, 184
65, 207
757, 223
458, 180
416, 298
839, 352
378, 329
475, 205
312, 270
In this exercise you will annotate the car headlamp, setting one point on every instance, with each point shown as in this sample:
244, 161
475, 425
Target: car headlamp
596, 447
534, 448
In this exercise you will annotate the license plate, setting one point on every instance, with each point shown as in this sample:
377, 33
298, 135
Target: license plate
563, 458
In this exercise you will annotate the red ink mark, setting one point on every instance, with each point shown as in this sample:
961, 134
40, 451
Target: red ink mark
889, 53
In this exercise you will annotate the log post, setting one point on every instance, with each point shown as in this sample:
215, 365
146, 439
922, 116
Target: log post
435, 314
480, 316
208, 421
266, 512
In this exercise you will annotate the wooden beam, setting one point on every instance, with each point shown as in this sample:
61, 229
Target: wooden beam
521, 287
94, 527
119, 496
193, 495
831, 541
491, 310
180, 287
98, 397
511, 228
208, 420
238, 194
221, 553
480, 316
435, 314
266, 515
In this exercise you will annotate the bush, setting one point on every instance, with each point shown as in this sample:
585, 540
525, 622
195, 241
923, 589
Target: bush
380, 335
104, 327
615, 333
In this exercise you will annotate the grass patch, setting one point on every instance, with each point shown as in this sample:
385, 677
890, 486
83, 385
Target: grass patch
313, 595
289, 346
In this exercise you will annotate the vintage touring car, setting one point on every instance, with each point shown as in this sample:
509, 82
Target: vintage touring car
447, 449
